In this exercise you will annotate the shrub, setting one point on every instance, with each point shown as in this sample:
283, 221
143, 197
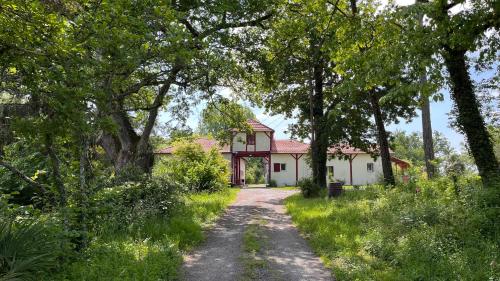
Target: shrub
26, 249
308, 188
272, 183
424, 230
194, 169
128, 204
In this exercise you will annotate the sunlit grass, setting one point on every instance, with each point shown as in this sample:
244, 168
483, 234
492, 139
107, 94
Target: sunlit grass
335, 229
399, 234
151, 250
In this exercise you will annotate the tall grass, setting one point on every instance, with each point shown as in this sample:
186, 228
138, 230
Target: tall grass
149, 249
423, 231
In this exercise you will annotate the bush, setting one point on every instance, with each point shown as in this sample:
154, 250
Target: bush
194, 169
152, 249
308, 188
272, 183
124, 206
26, 249
425, 230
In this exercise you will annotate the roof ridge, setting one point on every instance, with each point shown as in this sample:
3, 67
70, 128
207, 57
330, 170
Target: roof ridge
249, 120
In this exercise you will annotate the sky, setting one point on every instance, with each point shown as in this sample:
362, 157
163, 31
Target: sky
440, 118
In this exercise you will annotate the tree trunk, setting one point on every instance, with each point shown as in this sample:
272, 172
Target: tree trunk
126, 148
58, 181
469, 117
382, 141
426, 124
427, 135
319, 143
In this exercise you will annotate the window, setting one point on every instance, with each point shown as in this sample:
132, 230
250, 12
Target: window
369, 167
277, 167
251, 139
283, 166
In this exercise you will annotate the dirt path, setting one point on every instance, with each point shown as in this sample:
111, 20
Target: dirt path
255, 240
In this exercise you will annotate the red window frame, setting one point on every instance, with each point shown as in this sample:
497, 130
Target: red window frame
251, 139
277, 167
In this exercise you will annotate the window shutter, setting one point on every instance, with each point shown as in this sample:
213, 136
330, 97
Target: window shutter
277, 167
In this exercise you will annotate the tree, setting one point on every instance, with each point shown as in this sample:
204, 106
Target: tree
221, 116
292, 73
369, 59
145, 54
410, 147
446, 39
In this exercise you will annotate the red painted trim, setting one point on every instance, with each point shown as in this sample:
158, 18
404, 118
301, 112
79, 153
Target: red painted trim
277, 167
232, 169
271, 141
350, 168
252, 153
269, 168
296, 169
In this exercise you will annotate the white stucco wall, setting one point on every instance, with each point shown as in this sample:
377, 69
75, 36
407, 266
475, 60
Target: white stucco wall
287, 177
360, 174
261, 142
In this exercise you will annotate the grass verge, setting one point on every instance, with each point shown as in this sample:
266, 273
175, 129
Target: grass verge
402, 234
152, 250
255, 265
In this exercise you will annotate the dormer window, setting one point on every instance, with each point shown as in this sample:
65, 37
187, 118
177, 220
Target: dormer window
251, 139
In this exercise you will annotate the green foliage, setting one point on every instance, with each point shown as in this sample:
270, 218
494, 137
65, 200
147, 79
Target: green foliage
495, 137
221, 116
30, 162
254, 171
431, 230
308, 188
27, 247
125, 207
448, 160
272, 183
194, 169
151, 248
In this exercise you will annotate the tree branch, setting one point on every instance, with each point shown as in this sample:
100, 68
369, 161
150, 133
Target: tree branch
158, 102
226, 25
190, 27
22, 176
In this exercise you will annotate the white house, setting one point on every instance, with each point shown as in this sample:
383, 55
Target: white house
288, 158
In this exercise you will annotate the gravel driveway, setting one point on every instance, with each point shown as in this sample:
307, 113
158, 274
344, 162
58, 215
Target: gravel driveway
285, 254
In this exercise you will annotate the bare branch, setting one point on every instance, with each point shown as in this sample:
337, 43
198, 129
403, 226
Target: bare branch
226, 25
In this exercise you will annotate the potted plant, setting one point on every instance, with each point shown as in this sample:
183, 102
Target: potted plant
335, 188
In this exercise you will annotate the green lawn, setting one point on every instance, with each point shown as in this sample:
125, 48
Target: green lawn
398, 234
154, 250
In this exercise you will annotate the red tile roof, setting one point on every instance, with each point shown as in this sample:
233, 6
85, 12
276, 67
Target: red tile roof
205, 143
289, 146
257, 126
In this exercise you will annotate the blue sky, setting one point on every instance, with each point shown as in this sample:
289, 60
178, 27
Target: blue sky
439, 117
439, 110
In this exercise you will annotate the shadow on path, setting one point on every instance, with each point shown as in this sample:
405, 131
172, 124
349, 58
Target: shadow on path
287, 253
